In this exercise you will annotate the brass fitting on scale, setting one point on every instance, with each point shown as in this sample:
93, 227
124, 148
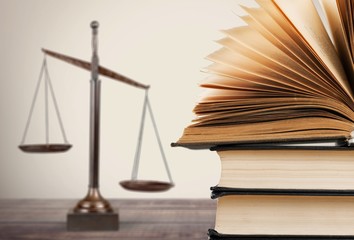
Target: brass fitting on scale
93, 203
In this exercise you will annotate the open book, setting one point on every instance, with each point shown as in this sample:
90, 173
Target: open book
280, 78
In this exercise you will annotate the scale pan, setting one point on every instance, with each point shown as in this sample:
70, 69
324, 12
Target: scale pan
146, 185
45, 148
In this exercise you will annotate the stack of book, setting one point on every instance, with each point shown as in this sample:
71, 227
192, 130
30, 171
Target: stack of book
279, 111
284, 193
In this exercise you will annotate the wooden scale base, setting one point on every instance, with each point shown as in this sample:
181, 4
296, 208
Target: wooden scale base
92, 221
93, 213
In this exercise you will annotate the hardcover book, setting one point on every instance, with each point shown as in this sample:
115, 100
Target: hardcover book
325, 168
295, 215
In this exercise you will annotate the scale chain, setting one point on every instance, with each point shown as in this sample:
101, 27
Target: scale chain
159, 140
140, 137
147, 105
33, 102
55, 105
48, 85
46, 76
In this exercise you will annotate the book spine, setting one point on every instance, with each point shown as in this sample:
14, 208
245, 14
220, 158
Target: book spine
224, 191
214, 235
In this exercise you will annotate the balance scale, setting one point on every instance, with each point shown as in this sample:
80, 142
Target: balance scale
94, 212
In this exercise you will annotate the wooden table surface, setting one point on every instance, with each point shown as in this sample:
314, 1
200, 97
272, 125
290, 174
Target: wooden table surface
139, 219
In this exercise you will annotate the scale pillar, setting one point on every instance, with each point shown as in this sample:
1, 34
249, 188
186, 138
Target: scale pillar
93, 212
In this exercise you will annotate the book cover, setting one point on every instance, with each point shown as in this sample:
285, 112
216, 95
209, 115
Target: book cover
214, 235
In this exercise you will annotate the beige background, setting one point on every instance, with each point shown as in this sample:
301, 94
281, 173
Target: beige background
158, 42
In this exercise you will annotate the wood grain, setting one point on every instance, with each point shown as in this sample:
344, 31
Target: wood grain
139, 219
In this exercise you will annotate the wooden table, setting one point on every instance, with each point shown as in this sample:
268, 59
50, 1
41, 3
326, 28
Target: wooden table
139, 219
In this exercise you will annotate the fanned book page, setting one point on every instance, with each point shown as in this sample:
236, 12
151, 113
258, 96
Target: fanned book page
279, 78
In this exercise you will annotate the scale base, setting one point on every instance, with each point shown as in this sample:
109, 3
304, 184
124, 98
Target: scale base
93, 221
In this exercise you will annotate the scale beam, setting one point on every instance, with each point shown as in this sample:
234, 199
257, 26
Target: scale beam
101, 70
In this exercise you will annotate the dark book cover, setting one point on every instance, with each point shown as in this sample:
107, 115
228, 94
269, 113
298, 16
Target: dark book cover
310, 144
224, 191
214, 235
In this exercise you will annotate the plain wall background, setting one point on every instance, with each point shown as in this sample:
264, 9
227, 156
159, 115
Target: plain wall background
158, 42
